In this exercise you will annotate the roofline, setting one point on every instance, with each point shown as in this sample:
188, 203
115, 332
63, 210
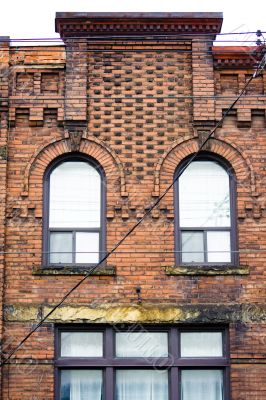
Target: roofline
140, 24
138, 15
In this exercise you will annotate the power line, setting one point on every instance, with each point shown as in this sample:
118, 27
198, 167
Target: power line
174, 40
30, 98
147, 212
41, 50
241, 251
7, 39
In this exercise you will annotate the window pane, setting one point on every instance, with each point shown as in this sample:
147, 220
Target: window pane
219, 247
81, 385
87, 247
192, 242
81, 344
60, 242
201, 344
202, 384
204, 197
142, 344
141, 384
75, 196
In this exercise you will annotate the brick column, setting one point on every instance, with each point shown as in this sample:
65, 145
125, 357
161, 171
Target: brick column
76, 80
203, 82
76, 83
4, 79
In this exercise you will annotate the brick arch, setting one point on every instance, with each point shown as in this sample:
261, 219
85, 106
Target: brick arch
92, 147
179, 150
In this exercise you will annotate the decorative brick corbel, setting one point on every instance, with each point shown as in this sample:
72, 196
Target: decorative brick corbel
74, 132
201, 137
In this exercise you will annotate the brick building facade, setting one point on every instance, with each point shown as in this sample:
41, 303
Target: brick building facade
132, 96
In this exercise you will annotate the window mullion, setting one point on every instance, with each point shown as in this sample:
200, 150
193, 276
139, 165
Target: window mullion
109, 386
205, 246
73, 247
174, 384
109, 349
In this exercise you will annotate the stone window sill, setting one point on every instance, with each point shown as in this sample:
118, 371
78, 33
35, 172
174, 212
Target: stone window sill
194, 270
67, 270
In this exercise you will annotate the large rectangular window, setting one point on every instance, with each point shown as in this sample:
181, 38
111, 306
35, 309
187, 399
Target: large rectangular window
141, 363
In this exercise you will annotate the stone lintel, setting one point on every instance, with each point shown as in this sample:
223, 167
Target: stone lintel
113, 313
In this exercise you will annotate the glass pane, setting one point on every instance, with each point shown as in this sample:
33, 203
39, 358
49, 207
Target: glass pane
204, 197
141, 384
202, 384
142, 344
87, 247
60, 242
201, 344
75, 196
81, 385
219, 246
81, 344
192, 247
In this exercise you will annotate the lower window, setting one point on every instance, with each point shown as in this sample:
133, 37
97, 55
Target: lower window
139, 363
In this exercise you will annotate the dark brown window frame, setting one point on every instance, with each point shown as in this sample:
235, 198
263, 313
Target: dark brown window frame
174, 363
208, 156
75, 156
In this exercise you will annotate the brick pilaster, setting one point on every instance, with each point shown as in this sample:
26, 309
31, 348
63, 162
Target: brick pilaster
76, 80
4, 79
203, 81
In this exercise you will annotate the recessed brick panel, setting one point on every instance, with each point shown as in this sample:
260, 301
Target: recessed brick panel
49, 82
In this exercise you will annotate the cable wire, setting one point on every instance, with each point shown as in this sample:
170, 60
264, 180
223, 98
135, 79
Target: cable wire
7, 39
131, 230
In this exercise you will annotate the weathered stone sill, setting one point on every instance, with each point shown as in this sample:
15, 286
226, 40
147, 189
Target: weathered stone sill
195, 270
66, 270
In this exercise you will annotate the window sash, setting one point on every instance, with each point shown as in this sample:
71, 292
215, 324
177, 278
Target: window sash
73, 251
206, 252
46, 206
233, 223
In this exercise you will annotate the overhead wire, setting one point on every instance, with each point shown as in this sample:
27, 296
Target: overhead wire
214, 50
8, 39
135, 226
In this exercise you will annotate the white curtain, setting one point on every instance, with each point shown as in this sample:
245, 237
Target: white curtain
202, 385
81, 344
142, 344
141, 385
75, 194
81, 385
204, 195
201, 344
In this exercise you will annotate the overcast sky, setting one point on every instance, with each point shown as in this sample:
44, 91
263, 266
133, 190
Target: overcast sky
35, 18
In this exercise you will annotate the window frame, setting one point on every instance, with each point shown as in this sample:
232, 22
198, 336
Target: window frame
207, 156
174, 364
46, 208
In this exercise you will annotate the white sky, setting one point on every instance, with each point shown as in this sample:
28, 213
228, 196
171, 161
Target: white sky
35, 18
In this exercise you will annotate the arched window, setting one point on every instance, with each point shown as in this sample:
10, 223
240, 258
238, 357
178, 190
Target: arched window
73, 212
205, 212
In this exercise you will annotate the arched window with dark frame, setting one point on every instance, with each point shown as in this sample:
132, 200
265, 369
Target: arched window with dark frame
74, 212
205, 207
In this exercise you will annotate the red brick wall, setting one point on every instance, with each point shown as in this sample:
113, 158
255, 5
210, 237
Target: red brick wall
139, 121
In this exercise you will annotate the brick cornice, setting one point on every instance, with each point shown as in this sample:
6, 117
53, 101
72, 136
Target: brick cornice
100, 25
236, 57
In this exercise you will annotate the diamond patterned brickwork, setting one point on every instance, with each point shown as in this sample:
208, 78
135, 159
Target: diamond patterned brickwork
139, 103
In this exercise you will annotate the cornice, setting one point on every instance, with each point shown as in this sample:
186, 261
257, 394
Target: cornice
229, 57
121, 25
